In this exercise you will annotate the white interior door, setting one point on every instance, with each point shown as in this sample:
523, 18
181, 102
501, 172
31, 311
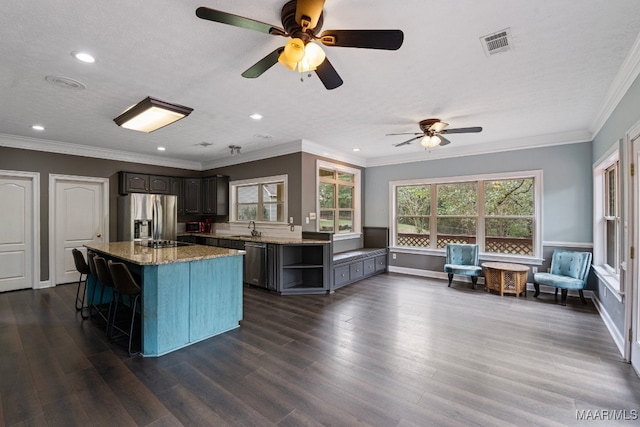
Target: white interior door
16, 233
81, 217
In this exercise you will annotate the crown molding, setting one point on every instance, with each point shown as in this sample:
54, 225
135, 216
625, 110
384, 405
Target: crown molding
625, 77
437, 153
25, 143
297, 146
273, 151
319, 150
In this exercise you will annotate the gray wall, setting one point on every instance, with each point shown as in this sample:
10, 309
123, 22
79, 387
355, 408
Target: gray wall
282, 165
623, 118
567, 187
50, 163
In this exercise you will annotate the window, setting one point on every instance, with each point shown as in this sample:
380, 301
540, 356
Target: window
262, 199
338, 198
499, 212
606, 217
611, 218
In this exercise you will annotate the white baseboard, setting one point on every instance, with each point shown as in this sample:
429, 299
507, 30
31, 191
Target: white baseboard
43, 284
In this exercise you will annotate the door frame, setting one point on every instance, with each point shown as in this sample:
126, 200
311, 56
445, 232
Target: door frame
53, 181
35, 226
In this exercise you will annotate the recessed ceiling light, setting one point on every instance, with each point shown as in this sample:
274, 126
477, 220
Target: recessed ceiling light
84, 57
356, 149
161, 148
37, 127
256, 116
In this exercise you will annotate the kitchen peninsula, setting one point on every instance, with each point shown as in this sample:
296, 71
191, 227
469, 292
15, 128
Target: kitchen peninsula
189, 293
286, 265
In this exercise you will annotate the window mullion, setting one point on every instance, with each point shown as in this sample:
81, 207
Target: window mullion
480, 220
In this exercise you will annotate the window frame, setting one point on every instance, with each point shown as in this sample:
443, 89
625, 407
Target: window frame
615, 218
608, 275
357, 190
233, 198
537, 176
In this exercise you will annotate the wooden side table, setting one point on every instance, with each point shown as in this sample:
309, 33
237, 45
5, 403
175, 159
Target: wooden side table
505, 277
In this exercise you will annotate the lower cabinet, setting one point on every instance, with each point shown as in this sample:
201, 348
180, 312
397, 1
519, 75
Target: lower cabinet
303, 269
356, 265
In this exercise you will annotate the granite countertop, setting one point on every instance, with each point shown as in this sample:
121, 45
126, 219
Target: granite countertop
263, 239
136, 254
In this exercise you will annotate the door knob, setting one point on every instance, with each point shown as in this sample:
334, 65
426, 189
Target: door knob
99, 235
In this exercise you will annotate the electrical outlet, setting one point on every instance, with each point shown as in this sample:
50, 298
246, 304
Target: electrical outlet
306, 220
312, 215
393, 256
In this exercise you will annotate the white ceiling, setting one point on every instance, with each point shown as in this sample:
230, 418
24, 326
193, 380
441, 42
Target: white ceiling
569, 60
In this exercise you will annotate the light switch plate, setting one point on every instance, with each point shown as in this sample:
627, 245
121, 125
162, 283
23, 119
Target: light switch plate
312, 215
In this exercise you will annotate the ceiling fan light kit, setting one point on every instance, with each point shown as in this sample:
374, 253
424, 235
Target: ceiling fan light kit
302, 21
303, 58
432, 131
151, 114
430, 141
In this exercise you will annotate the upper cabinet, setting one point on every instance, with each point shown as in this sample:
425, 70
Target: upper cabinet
206, 196
133, 183
176, 189
215, 195
159, 184
192, 192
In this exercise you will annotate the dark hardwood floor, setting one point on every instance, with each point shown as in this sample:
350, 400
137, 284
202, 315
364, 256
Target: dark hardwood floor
391, 350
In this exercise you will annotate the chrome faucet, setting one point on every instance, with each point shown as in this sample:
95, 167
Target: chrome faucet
254, 232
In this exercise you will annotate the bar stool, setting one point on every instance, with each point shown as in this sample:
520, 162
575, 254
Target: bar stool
92, 272
104, 276
125, 285
83, 269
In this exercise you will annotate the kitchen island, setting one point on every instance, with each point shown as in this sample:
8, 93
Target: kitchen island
189, 293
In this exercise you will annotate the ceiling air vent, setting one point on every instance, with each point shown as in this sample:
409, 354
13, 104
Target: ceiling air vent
496, 42
65, 82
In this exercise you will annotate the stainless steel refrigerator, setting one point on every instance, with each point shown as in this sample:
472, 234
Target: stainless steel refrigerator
147, 217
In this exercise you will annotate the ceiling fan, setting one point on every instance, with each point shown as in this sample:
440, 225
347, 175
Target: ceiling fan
432, 131
302, 21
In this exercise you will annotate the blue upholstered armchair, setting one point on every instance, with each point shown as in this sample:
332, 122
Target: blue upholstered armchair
463, 259
569, 270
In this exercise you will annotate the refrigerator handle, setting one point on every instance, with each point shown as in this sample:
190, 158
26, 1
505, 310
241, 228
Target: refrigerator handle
154, 218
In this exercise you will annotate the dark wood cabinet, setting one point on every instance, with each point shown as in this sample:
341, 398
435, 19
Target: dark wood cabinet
192, 192
208, 196
215, 195
133, 183
176, 189
159, 184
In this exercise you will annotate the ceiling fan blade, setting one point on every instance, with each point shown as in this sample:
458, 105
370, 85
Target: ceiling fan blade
408, 141
308, 12
463, 130
237, 21
367, 39
443, 140
328, 75
263, 65
406, 133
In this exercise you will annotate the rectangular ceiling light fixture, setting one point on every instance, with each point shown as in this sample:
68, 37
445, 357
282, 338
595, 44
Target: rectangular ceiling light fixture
151, 114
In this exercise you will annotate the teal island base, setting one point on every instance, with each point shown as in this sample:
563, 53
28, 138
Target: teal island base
187, 302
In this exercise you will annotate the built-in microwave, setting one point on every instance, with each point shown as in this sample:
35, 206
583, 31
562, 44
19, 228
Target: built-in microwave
194, 227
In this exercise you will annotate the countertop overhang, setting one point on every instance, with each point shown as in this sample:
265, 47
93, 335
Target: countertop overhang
262, 239
136, 254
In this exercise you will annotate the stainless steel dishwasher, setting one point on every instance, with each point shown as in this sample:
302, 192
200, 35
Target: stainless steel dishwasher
255, 264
